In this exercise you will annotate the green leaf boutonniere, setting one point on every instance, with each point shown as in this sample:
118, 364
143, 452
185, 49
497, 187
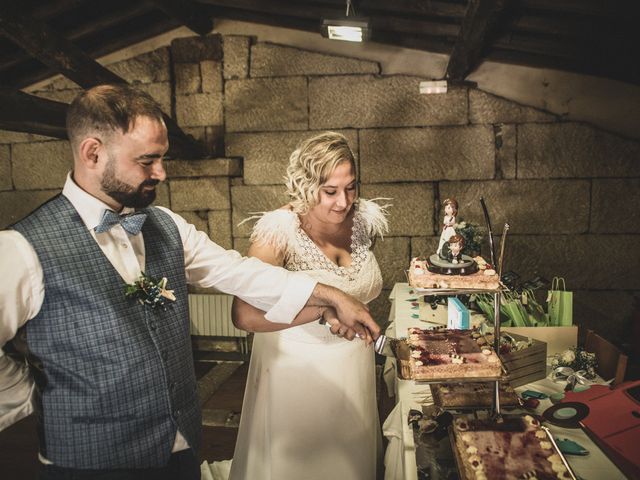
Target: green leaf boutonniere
149, 291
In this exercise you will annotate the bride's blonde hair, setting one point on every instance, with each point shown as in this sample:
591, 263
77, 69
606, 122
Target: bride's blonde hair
310, 165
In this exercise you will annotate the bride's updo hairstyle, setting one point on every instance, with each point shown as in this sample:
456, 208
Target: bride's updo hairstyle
311, 164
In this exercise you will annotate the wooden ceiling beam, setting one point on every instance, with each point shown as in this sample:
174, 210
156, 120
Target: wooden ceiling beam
58, 53
187, 12
475, 32
22, 112
84, 28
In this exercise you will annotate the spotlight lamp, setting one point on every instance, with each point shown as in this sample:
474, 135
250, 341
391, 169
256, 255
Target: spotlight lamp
348, 28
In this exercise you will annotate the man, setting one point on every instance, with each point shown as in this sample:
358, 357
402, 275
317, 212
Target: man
116, 392
452, 249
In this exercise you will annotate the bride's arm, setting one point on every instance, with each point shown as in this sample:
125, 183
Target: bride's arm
247, 317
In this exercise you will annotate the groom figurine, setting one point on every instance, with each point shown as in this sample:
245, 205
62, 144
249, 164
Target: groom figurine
114, 378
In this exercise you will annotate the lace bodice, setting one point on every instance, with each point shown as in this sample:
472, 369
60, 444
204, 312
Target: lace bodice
361, 279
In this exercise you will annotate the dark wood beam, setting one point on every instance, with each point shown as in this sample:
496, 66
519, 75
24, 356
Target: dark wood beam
58, 53
22, 112
187, 12
84, 28
476, 29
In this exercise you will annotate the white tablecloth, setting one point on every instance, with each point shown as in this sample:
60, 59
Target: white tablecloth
400, 460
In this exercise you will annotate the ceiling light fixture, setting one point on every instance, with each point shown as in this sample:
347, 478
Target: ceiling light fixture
349, 29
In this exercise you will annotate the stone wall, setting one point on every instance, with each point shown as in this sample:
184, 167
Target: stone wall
569, 191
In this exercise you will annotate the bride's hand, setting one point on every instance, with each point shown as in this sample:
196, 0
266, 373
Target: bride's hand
330, 317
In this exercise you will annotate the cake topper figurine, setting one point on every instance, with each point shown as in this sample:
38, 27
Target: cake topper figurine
452, 249
450, 206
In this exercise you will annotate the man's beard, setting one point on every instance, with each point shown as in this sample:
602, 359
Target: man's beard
125, 194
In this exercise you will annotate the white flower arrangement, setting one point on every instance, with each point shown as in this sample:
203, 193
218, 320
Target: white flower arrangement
578, 359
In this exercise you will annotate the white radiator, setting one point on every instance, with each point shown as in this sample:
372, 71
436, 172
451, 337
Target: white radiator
211, 316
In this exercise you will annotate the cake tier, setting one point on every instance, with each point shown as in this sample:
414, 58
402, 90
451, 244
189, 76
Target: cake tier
421, 277
472, 395
450, 354
516, 448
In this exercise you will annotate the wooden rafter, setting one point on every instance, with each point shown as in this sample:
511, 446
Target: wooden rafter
187, 12
58, 53
22, 112
475, 31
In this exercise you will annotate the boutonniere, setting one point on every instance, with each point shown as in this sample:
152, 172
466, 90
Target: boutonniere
149, 291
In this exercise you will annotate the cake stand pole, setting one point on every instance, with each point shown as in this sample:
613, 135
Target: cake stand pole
496, 346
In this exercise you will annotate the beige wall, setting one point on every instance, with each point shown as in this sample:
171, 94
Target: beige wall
569, 190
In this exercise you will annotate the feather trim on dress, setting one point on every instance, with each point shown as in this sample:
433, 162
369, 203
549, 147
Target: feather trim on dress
374, 216
276, 228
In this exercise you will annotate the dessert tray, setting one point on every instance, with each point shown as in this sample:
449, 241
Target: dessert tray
511, 447
472, 396
448, 355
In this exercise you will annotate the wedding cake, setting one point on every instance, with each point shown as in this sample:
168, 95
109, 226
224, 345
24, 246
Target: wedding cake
451, 354
515, 447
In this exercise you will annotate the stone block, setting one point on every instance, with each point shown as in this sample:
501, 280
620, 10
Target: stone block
271, 60
220, 228
7, 136
615, 205
41, 165
392, 254
266, 104
152, 67
211, 167
587, 262
197, 49
161, 93
606, 312
5, 168
266, 155
211, 76
200, 194
162, 196
236, 56
380, 307
187, 78
505, 136
574, 150
411, 206
198, 219
201, 109
528, 206
427, 154
241, 244
365, 101
250, 200
487, 108
15, 205
423, 246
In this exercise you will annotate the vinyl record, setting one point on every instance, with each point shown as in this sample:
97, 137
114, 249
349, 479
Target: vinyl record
566, 414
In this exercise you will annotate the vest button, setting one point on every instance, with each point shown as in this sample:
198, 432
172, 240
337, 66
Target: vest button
172, 386
176, 413
152, 325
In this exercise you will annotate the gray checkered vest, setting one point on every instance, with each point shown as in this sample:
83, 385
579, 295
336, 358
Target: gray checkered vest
116, 378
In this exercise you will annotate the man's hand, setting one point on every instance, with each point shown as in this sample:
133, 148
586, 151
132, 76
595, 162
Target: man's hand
330, 317
351, 312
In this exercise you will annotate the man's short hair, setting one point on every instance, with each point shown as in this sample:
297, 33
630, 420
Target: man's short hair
456, 239
105, 109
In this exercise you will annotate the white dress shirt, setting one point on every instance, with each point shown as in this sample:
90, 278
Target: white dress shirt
280, 293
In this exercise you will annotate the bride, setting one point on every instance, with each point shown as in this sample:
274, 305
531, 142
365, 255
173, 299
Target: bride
309, 408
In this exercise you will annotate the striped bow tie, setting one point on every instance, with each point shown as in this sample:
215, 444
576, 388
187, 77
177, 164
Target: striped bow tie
132, 223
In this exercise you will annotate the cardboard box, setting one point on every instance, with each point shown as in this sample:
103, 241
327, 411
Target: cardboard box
558, 339
526, 365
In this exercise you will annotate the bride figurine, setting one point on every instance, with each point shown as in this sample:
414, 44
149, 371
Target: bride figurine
450, 211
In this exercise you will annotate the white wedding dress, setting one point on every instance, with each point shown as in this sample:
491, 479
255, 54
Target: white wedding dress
309, 408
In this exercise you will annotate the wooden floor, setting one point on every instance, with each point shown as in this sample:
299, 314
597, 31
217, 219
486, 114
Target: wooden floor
19, 444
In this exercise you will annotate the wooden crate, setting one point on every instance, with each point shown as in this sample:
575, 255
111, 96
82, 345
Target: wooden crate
526, 365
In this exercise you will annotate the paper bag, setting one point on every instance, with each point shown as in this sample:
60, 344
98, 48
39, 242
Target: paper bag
560, 304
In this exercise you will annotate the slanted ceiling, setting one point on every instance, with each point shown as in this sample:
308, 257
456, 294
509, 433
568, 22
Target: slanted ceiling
40, 38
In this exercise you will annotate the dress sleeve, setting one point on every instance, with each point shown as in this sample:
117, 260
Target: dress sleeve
374, 216
277, 229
